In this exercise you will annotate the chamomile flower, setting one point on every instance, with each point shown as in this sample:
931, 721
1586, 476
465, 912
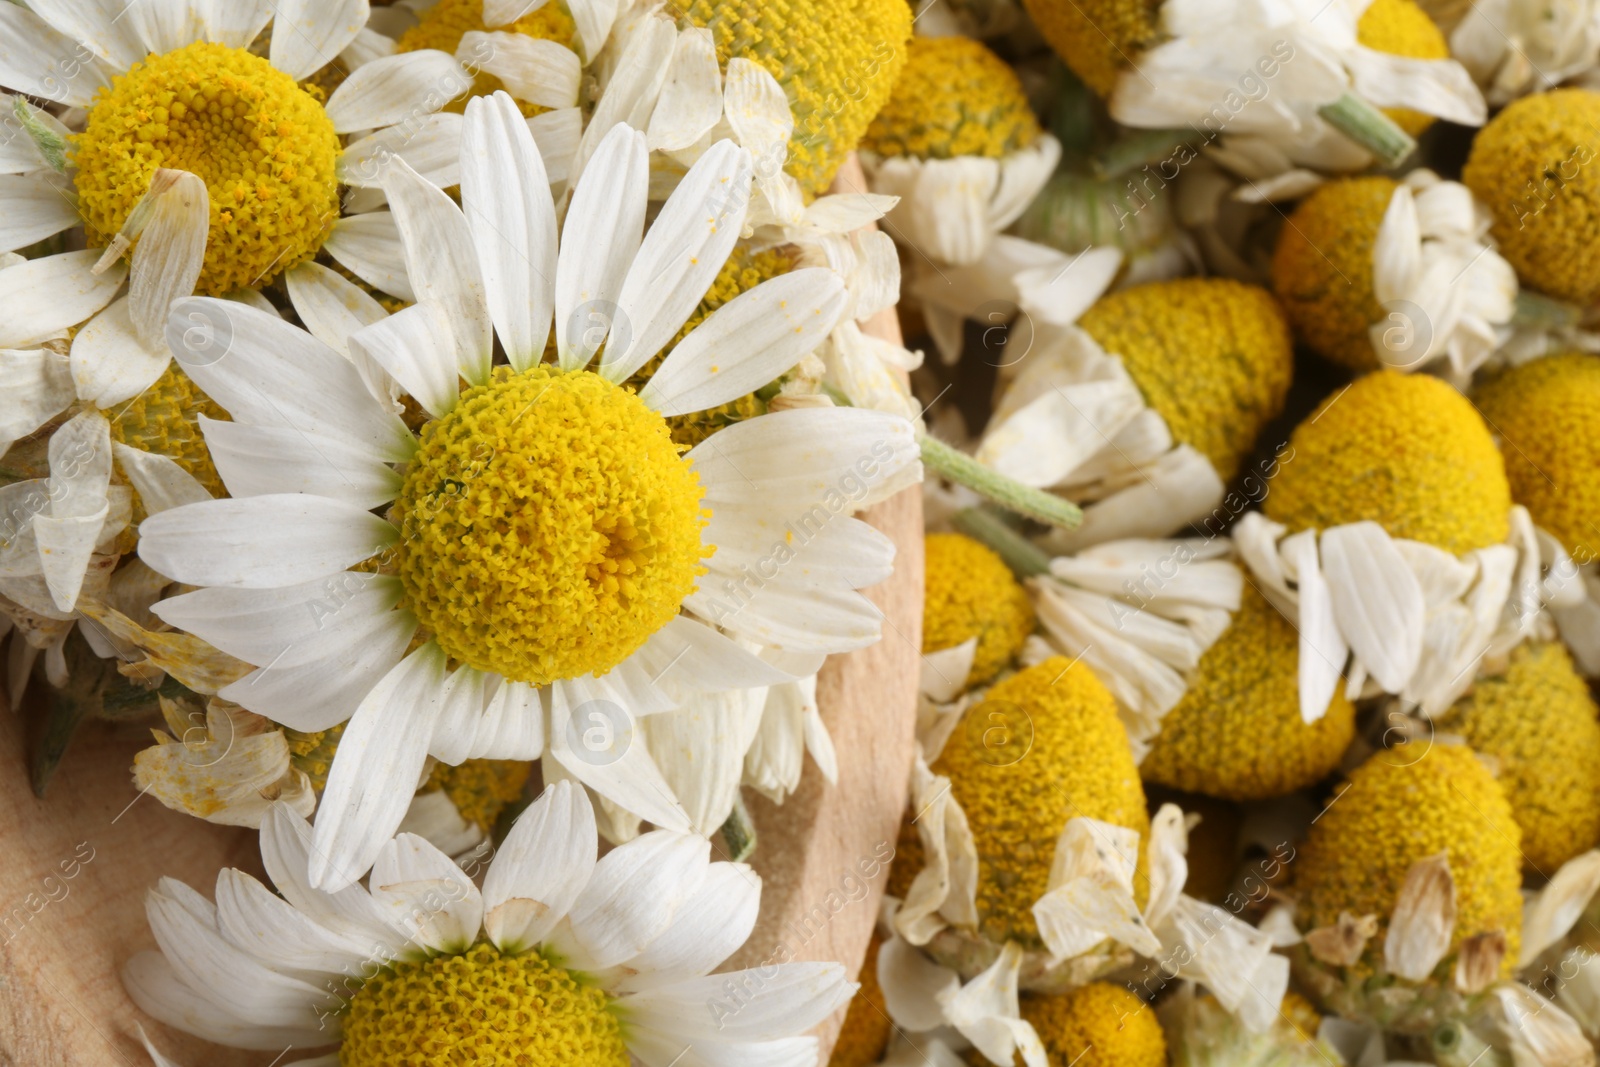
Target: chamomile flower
1530, 167
545, 534
1374, 272
1042, 870
975, 616
958, 143
1514, 49
1273, 89
1097, 1025
1389, 538
1147, 407
1539, 721
1413, 871
557, 959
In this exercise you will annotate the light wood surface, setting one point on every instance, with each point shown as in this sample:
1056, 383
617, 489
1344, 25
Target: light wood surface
61, 998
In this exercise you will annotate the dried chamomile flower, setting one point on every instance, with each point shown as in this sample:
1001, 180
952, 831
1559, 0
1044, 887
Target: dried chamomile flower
1530, 167
958, 143
1539, 722
1374, 272
1237, 733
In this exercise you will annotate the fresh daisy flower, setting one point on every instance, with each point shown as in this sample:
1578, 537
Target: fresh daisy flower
557, 959
987, 917
1147, 407
536, 588
1273, 88
1374, 272
1389, 538
958, 143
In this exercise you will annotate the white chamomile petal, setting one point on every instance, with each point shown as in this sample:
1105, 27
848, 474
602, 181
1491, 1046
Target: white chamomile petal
42, 298
97, 24
691, 99
157, 989
416, 347
369, 246
705, 931
37, 384
534, 70
604, 227
110, 363
31, 61
306, 32
432, 148
619, 913
540, 870
432, 900
31, 209
159, 481
803, 995
170, 253
512, 724
260, 922
394, 88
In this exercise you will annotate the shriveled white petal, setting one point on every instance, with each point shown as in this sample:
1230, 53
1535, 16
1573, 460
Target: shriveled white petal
37, 385
985, 1012
505, 194
111, 364
748, 342
41, 298
945, 890
1323, 649
540, 870
68, 528
691, 99
1423, 921
442, 265
1397, 250
1551, 912
913, 985
170, 253
395, 88
261, 542
1376, 600
634, 86
375, 772
307, 34
369, 245
430, 898
1090, 891
679, 258
604, 226
944, 673
532, 69
159, 481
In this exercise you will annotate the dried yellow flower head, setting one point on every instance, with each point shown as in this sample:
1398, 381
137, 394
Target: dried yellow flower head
1403, 450
1098, 39
1322, 268
837, 61
1403, 28
954, 98
970, 592
1530, 166
1547, 415
1097, 1025
1212, 356
1542, 726
1237, 733
480, 788
165, 420
865, 1032
1402, 806
1057, 750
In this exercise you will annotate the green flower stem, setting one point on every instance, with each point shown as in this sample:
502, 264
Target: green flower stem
1008, 493
1369, 128
739, 832
1025, 559
1544, 312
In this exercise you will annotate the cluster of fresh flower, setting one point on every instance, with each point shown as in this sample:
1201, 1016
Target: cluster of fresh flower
1283, 749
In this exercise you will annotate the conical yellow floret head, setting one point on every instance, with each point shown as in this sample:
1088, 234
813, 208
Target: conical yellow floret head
837, 61
1322, 268
1402, 28
971, 593
1547, 415
954, 98
1098, 39
1400, 807
1237, 733
1211, 355
1097, 1025
1403, 450
1539, 722
1533, 168
1045, 746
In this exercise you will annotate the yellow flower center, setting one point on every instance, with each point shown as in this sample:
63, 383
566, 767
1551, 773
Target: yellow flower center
1097, 1025
955, 98
1403, 28
481, 1008
480, 788
971, 593
548, 525
313, 752
262, 144
164, 419
837, 61
444, 24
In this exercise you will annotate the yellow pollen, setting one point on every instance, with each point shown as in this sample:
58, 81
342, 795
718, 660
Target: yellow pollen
1322, 268
1547, 415
970, 592
548, 525
1403, 450
1097, 1025
954, 98
836, 60
480, 788
1237, 733
262, 144
1045, 745
444, 24
481, 1008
